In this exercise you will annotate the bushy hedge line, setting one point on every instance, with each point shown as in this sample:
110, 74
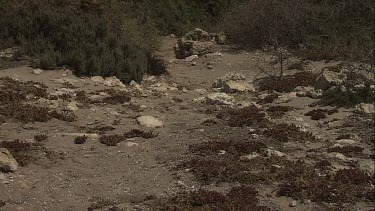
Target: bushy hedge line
334, 28
91, 39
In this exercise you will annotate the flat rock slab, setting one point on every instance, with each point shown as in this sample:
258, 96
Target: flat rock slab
149, 121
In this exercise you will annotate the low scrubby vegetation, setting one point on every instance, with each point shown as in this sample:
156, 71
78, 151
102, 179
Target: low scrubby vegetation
240, 198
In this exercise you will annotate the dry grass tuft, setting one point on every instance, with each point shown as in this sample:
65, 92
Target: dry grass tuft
318, 114
289, 133
80, 140
248, 116
287, 83
111, 140
242, 198
278, 111
140, 133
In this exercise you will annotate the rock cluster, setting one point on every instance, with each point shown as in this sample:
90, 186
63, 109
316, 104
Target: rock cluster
197, 42
233, 82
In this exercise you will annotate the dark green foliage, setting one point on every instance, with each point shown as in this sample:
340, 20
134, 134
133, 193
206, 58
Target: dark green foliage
348, 97
156, 65
287, 83
329, 29
81, 38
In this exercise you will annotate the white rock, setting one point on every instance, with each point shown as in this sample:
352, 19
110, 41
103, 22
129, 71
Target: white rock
286, 97
308, 91
131, 144
219, 99
135, 85
37, 71
191, 58
346, 141
200, 91
222, 152
216, 54
293, 204
233, 82
113, 81
72, 106
162, 87
249, 156
271, 152
65, 80
7, 161
365, 108
149, 121
97, 79
328, 79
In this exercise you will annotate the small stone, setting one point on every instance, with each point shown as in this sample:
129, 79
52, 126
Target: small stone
193, 64
219, 99
293, 204
210, 67
346, 141
72, 106
37, 71
255, 136
249, 156
222, 152
97, 79
300, 119
271, 152
131, 144
191, 58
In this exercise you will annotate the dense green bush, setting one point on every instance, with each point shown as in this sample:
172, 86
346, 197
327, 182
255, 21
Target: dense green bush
332, 28
90, 39
348, 96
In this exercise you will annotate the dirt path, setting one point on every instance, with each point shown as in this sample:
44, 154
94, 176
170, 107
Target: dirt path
131, 175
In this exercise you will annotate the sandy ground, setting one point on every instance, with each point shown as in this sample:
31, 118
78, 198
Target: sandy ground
84, 174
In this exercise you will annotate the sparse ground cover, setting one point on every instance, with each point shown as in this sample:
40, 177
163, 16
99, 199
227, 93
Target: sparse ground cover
80, 145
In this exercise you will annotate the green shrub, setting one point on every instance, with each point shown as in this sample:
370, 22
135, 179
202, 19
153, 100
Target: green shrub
331, 29
86, 39
348, 96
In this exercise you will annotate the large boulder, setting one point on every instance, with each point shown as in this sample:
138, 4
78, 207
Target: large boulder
7, 161
185, 48
200, 35
233, 82
197, 42
328, 79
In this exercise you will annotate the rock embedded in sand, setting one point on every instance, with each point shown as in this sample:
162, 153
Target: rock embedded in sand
113, 82
37, 71
7, 161
233, 82
286, 97
72, 106
149, 121
97, 79
329, 78
365, 108
218, 99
